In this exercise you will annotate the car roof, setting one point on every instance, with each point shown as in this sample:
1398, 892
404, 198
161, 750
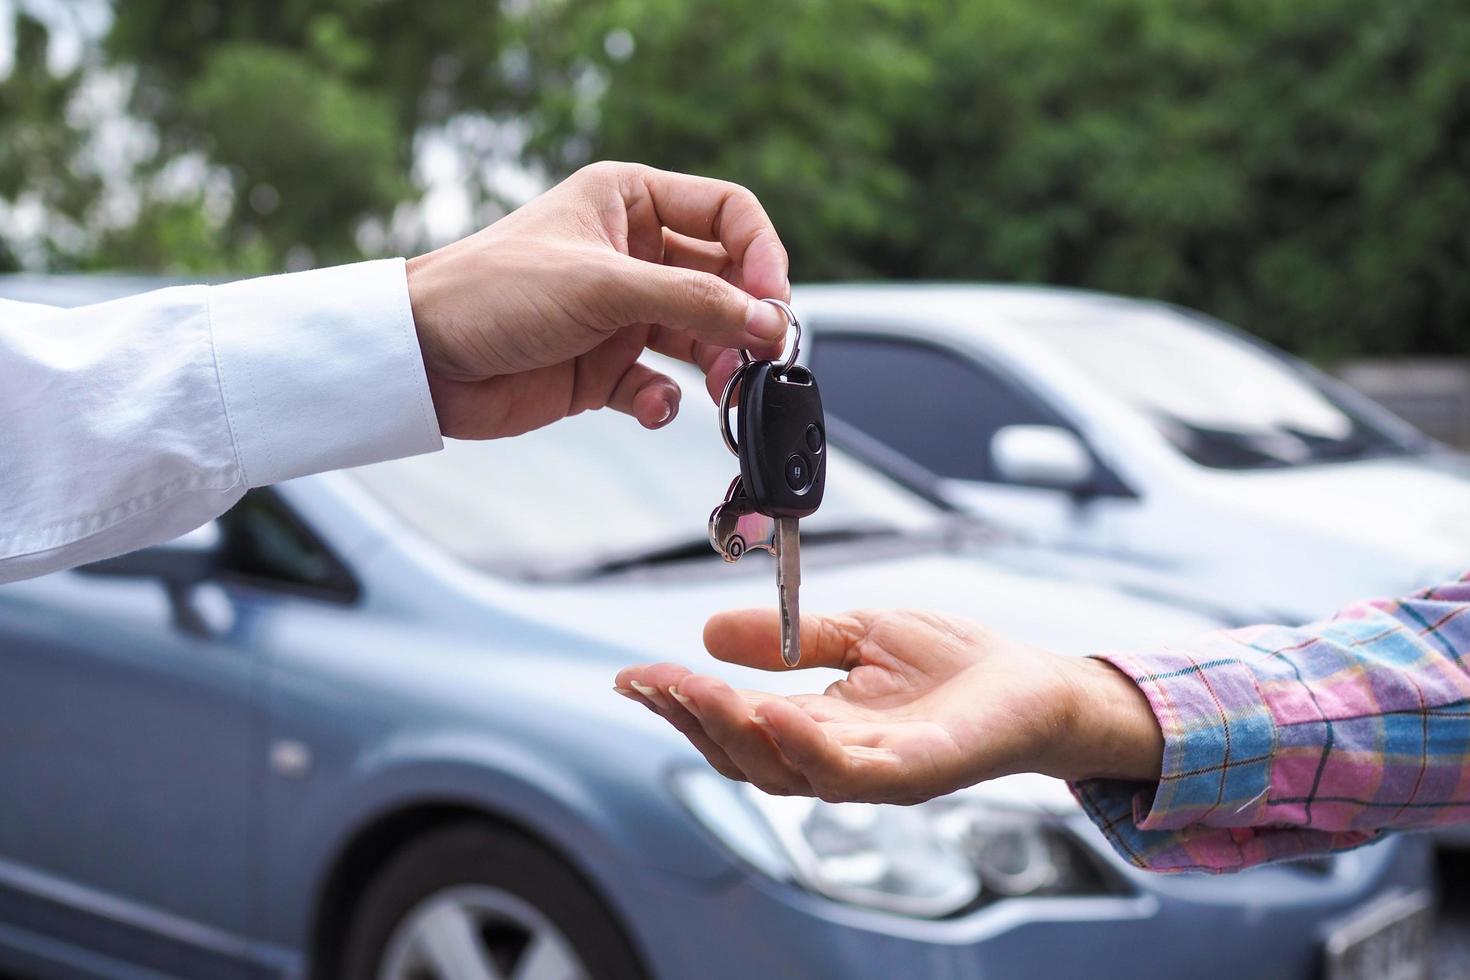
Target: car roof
1018, 301
948, 299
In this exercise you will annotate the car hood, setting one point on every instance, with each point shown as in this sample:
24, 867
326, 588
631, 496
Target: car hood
1416, 509
659, 614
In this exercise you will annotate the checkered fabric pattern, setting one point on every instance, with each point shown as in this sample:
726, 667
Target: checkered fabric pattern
1283, 742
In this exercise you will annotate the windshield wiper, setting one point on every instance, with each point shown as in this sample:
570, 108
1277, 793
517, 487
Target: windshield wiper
698, 548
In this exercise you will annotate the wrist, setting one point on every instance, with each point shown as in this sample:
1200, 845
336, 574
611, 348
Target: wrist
1112, 730
423, 302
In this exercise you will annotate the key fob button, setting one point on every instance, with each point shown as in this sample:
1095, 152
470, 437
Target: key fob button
798, 472
814, 437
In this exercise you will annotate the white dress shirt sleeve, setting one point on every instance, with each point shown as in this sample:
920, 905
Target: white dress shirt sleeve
127, 423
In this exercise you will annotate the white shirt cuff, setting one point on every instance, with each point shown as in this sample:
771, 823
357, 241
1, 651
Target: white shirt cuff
321, 370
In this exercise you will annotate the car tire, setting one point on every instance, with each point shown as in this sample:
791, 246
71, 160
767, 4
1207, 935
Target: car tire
476, 884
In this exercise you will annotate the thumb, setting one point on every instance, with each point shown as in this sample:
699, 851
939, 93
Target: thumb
753, 637
699, 303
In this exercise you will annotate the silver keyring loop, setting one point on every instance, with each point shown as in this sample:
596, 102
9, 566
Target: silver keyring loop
725, 396
791, 321
746, 361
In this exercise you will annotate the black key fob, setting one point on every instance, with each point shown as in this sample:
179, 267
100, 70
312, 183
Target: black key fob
783, 439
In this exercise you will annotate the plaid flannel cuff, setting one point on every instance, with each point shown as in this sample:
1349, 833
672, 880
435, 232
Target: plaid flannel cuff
1112, 806
1219, 736
1218, 741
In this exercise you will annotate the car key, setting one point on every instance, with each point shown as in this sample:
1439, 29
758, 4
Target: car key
782, 473
736, 526
783, 469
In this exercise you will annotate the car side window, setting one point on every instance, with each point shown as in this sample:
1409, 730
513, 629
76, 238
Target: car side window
266, 545
933, 406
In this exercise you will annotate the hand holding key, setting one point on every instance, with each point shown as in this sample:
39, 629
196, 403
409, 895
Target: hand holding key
929, 704
544, 314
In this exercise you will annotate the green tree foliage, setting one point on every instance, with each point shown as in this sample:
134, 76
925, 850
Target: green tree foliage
1299, 166
312, 107
333, 148
40, 148
802, 101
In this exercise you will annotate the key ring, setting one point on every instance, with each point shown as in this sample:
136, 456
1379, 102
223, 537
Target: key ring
725, 407
791, 321
745, 362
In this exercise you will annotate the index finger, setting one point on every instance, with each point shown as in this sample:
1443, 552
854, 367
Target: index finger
753, 637
717, 211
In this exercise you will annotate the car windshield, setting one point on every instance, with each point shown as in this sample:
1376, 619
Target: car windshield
1222, 400
599, 491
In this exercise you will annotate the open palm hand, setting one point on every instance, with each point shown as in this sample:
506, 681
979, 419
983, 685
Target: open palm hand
929, 704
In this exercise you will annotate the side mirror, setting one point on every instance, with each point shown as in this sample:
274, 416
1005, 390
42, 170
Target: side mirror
186, 560
1041, 456
181, 564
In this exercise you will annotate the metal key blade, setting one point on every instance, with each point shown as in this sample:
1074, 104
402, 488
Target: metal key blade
788, 588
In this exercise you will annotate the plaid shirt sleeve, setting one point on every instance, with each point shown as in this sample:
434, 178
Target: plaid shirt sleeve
1283, 742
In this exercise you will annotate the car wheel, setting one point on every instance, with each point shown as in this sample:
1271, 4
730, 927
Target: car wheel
475, 902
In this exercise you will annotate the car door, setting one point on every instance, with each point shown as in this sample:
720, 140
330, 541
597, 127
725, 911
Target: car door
942, 410
126, 757
132, 752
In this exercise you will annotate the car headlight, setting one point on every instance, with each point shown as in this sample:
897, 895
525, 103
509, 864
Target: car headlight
932, 860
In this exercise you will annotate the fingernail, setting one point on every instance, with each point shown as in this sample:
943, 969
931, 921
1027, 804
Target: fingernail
765, 321
765, 723
652, 693
625, 692
685, 700
872, 754
668, 414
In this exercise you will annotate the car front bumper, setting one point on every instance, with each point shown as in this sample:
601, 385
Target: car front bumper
1267, 923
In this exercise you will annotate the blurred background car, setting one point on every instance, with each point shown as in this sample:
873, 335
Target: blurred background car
362, 726
1145, 433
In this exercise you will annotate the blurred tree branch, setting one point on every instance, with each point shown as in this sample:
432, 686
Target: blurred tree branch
1299, 166
39, 147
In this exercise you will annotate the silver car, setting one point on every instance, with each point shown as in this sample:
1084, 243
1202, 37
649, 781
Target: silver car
1142, 433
